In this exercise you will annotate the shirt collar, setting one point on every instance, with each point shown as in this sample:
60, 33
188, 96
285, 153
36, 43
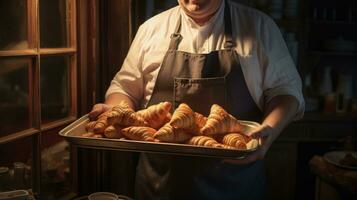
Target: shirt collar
209, 23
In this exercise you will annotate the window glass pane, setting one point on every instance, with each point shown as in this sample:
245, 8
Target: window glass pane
13, 21
55, 176
53, 23
15, 165
15, 96
55, 87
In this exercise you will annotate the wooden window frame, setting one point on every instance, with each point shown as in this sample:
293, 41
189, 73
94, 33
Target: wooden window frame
34, 52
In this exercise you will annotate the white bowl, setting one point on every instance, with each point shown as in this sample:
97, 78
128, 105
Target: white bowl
103, 196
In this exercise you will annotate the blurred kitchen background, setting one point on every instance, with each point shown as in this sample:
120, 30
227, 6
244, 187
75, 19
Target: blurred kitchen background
58, 57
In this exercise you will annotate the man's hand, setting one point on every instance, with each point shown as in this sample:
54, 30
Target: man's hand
263, 133
111, 101
280, 111
98, 109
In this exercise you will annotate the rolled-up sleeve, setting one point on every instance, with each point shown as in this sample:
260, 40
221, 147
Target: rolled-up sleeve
129, 79
281, 76
283, 79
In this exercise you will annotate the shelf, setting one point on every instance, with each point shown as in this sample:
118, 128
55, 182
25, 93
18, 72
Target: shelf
332, 53
330, 22
329, 117
288, 23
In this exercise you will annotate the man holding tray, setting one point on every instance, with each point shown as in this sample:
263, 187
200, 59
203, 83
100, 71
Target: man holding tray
206, 52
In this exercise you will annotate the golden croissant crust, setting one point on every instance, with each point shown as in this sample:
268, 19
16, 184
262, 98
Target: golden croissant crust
90, 126
207, 142
97, 136
123, 115
156, 115
113, 132
236, 140
88, 134
168, 133
142, 133
195, 128
101, 123
93, 135
219, 122
200, 120
183, 117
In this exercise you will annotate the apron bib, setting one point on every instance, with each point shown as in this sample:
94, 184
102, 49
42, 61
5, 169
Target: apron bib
201, 80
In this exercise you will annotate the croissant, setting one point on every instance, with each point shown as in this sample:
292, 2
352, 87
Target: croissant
88, 134
167, 133
141, 133
113, 132
200, 120
219, 121
97, 136
93, 135
101, 123
123, 115
183, 117
156, 115
90, 126
237, 140
207, 142
195, 128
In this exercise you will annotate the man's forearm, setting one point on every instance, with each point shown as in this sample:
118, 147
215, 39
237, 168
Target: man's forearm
280, 112
116, 98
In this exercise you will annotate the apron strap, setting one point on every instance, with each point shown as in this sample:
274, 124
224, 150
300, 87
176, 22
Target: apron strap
176, 36
229, 43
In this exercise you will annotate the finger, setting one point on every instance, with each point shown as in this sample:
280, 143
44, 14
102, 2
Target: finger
259, 133
93, 114
255, 134
96, 111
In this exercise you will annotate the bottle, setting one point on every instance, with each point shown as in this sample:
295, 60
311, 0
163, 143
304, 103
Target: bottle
326, 92
343, 93
19, 175
311, 101
4, 179
325, 86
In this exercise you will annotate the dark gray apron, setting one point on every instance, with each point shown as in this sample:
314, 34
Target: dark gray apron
201, 80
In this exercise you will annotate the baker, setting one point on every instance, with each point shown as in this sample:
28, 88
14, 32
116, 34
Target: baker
205, 52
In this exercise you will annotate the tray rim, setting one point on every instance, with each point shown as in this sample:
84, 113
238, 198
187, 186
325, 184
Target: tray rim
131, 145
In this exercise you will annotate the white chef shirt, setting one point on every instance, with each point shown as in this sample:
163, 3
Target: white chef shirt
265, 60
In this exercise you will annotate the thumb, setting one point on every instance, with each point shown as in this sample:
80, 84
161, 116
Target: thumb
97, 110
261, 131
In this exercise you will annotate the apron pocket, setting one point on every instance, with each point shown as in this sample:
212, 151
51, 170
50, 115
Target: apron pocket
200, 93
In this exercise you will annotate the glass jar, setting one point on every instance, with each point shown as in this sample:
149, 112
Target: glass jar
4, 179
19, 175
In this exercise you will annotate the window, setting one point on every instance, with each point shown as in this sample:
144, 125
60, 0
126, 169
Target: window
38, 76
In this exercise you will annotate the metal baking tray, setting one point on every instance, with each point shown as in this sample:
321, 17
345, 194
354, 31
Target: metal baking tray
72, 133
